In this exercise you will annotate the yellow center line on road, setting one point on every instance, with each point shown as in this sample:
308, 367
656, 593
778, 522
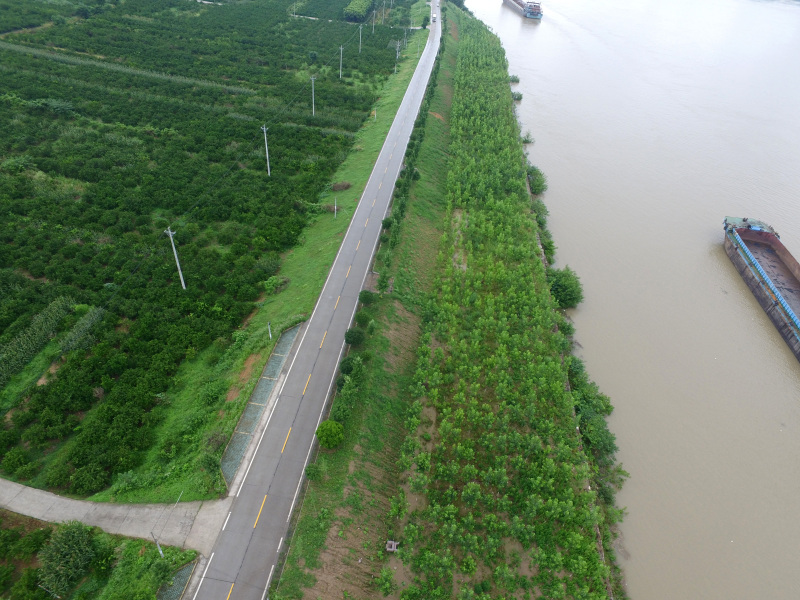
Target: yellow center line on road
358, 245
284, 442
386, 169
348, 271
373, 202
323, 338
380, 184
365, 222
256, 523
307, 380
229, 592
337, 302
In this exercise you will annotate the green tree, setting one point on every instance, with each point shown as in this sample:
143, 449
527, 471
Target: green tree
565, 287
330, 434
425, 20
355, 336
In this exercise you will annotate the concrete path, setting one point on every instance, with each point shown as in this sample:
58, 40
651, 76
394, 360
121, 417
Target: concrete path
186, 525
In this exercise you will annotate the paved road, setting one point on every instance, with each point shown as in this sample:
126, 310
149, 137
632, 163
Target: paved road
244, 557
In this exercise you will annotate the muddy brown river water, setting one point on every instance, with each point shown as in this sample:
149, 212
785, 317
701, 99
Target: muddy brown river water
653, 121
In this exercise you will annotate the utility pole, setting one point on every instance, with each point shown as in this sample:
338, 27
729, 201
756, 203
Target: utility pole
341, 49
266, 148
313, 104
405, 37
160, 551
383, 14
359, 37
373, 20
334, 207
269, 328
53, 594
170, 233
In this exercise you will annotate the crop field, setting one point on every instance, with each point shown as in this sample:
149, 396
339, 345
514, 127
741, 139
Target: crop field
117, 121
502, 497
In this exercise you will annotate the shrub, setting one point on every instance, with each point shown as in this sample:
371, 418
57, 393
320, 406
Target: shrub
537, 179
31, 543
565, 287
66, 557
386, 583
363, 318
383, 281
355, 336
330, 434
275, 285
313, 472
357, 10
88, 479
14, 459
6, 572
346, 366
367, 297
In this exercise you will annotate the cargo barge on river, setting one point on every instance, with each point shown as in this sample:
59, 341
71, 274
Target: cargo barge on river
769, 270
529, 10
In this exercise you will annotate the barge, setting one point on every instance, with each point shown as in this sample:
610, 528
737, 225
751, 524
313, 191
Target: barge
770, 271
529, 10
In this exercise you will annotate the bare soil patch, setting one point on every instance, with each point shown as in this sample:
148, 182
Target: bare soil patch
27, 275
244, 374
403, 334
48, 375
437, 115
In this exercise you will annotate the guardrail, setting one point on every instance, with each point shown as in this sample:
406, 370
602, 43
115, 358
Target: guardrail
743, 248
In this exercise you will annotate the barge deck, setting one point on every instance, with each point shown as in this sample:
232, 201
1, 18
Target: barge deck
770, 271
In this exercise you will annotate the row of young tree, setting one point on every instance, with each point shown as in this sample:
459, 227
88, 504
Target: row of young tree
510, 504
99, 155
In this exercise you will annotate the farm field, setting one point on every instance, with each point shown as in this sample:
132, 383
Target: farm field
460, 437
118, 123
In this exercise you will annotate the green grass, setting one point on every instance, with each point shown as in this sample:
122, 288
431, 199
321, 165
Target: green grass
419, 10
11, 394
183, 413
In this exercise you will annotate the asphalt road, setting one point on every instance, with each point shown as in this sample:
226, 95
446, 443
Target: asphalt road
245, 553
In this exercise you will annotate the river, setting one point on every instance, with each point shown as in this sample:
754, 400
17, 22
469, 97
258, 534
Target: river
653, 121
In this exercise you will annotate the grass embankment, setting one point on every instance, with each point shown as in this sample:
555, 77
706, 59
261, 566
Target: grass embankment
495, 493
337, 544
185, 456
79, 561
